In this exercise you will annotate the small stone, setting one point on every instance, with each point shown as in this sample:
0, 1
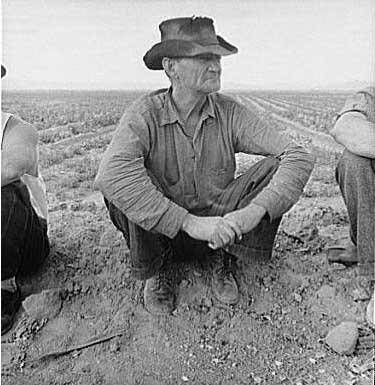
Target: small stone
207, 302
46, 304
297, 297
337, 266
184, 283
63, 206
360, 294
184, 378
326, 292
343, 338
115, 345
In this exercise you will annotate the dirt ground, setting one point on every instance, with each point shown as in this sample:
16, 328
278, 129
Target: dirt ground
274, 335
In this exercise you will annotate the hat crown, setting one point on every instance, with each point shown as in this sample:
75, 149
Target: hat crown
197, 29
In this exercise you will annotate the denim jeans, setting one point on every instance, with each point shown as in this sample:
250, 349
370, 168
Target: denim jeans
356, 178
148, 250
24, 241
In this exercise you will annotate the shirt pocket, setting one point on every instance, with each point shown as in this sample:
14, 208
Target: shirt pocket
221, 177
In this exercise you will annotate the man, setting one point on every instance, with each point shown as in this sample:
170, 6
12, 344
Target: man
168, 174
24, 241
355, 174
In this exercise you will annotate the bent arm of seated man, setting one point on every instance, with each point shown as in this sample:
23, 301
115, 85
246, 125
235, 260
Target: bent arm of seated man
255, 136
356, 133
19, 152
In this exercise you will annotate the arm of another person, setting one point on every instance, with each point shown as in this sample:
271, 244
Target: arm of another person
124, 180
356, 133
254, 136
19, 151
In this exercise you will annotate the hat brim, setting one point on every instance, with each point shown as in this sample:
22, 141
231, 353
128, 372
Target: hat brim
3, 71
183, 48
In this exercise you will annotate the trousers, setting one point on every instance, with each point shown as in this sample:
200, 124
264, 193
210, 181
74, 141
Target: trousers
148, 250
356, 178
24, 240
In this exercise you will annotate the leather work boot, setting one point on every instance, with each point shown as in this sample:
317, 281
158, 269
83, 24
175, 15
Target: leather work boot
159, 295
224, 286
10, 303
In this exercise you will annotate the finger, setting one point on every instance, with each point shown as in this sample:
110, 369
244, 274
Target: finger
228, 233
218, 240
235, 227
212, 246
226, 236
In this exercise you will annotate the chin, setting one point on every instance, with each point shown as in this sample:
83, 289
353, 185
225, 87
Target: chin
213, 87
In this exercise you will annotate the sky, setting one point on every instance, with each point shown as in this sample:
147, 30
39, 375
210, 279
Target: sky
99, 44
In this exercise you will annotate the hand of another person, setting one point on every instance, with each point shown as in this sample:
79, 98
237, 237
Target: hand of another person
215, 230
246, 218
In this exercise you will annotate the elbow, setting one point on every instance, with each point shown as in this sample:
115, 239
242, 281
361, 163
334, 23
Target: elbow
311, 159
100, 180
99, 183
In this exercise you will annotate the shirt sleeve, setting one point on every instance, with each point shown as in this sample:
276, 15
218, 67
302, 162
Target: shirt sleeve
363, 102
254, 136
124, 180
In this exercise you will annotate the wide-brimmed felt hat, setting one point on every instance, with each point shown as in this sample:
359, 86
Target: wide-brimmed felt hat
3, 71
186, 37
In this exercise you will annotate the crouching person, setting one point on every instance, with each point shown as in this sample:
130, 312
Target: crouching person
355, 174
168, 174
24, 241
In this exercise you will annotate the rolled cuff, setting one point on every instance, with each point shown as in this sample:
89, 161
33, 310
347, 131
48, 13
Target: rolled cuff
171, 221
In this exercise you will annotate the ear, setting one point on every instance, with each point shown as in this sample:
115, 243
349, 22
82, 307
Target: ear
169, 65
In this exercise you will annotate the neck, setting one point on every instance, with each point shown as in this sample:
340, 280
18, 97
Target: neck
188, 104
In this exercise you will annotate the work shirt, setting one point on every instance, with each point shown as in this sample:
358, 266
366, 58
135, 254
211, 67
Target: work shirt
155, 173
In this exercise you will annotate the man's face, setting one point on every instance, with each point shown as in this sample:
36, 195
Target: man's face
200, 74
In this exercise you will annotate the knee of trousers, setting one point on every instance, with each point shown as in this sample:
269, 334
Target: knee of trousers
352, 165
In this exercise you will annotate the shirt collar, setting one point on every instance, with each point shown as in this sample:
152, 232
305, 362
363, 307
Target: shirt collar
170, 114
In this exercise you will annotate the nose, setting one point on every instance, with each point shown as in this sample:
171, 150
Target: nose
215, 64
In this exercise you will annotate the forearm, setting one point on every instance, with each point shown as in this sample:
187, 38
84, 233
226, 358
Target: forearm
10, 171
286, 186
246, 218
8, 179
17, 160
355, 133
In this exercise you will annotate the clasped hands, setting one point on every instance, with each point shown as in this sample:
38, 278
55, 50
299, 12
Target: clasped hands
223, 231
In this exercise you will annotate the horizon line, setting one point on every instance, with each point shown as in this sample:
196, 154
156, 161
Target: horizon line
316, 88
